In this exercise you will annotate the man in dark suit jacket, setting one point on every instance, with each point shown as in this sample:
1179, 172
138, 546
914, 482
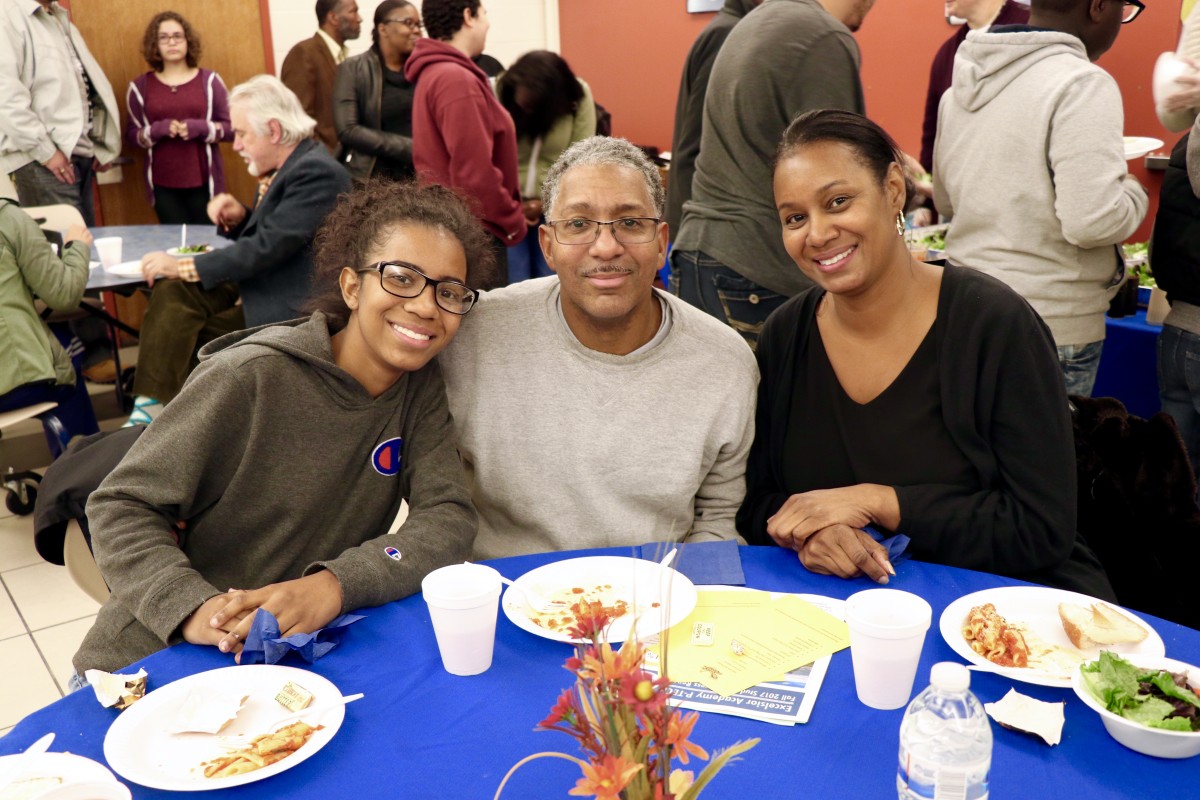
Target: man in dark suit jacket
269, 264
310, 66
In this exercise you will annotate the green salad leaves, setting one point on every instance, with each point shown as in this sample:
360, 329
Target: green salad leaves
1154, 698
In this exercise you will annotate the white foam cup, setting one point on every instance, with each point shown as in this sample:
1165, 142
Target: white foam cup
109, 248
463, 600
887, 632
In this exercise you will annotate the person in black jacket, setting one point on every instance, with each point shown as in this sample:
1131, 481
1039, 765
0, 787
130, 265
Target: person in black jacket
1175, 247
372, 100
919, 399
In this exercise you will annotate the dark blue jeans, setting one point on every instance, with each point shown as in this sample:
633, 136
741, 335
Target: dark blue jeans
1179, 384
716, 289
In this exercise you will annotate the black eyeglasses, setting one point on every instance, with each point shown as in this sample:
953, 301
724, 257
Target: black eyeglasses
1132, 9
405, 280
627, 230
411, 24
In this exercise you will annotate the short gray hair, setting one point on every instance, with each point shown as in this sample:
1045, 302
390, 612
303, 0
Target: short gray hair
265, 98
596, 151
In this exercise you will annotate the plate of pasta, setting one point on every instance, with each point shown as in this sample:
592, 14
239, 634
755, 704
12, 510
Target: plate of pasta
1019, 632
148, 745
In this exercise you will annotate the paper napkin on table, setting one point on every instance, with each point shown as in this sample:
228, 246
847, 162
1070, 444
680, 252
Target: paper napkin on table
704, 563
896, 545
264, 645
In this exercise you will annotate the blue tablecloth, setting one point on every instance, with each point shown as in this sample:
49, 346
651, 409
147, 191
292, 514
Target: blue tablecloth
422, 733
1128, 364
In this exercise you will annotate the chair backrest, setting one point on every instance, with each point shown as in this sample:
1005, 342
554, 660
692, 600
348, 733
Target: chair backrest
57, 217
81, 564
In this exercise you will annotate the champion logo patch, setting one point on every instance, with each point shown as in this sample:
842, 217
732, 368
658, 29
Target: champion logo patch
392, 553
386, 457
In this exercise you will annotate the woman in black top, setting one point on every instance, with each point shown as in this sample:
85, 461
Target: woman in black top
915, 398
372, 100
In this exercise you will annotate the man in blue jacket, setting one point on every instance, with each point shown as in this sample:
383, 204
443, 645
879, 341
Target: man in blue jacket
269, 264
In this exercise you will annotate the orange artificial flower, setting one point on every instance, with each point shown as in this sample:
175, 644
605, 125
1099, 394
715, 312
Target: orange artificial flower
605, 780
679, 728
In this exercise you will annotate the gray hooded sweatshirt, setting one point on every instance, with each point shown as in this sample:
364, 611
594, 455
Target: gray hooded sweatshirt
1030, 165
281, 464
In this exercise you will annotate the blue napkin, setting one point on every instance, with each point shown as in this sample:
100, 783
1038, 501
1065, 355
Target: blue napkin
711, 563
896, 545
264, 645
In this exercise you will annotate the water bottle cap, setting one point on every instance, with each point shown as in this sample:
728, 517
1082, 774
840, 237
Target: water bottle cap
950, 677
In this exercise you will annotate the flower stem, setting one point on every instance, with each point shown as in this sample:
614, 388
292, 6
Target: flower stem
548, 754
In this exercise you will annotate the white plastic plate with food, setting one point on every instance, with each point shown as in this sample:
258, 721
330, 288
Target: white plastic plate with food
126, 269
53, 774
142, 748
1142, 738
630, 589
1138, 146
190, 250
1034, 610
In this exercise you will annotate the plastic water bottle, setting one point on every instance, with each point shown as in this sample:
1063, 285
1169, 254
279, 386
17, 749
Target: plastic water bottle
945, 740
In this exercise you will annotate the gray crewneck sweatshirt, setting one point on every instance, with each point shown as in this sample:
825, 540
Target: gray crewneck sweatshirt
566, 447
281, 464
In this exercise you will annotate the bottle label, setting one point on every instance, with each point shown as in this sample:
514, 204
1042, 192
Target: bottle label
918, 780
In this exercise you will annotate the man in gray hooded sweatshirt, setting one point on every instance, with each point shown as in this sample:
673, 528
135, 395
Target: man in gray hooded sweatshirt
1029, 163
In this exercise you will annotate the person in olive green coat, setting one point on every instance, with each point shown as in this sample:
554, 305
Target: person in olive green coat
34, 367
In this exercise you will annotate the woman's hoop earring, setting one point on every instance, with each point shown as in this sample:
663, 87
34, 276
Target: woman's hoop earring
899, 224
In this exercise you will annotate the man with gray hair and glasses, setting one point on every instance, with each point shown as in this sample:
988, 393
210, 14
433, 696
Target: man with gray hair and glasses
566, 390
269, 265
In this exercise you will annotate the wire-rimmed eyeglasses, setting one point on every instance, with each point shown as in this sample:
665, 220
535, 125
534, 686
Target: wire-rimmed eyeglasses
1131, 10
626, 230
411, 24
405, 280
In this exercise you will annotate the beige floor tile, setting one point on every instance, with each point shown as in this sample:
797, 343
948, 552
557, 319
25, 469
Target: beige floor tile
25, 684
10, 621
16, 543
47, 596
58, 644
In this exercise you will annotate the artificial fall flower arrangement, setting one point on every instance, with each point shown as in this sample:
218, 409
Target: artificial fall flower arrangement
618, 713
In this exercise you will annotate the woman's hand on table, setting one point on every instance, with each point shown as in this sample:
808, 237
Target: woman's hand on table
302, 605
802, 515
847, 553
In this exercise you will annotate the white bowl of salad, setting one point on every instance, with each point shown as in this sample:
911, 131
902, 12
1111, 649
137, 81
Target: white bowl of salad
1146, 703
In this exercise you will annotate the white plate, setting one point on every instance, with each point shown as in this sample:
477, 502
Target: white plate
1138, 146
174, 251
1036, 609
641, 584
140, 747
126, 269
67, 767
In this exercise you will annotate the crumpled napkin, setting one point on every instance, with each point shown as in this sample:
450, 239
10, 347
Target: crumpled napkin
704, 563
896, 545
264, 645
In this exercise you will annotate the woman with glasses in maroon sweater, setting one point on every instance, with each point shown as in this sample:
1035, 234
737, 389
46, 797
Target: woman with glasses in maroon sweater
179, 114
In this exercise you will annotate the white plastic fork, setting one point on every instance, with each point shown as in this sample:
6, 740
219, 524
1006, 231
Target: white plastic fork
239, 739
536, 601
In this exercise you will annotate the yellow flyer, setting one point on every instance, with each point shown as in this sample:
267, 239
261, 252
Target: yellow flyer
735, 640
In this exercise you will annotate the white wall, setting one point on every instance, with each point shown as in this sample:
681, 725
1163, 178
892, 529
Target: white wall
518, 26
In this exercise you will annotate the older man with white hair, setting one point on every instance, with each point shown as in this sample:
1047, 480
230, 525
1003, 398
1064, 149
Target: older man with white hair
269, 264
591, 409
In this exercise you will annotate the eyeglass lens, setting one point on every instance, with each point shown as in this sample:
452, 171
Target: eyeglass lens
628, 230
404, 281
171, 37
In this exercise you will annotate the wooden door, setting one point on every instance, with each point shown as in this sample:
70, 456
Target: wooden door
231, 33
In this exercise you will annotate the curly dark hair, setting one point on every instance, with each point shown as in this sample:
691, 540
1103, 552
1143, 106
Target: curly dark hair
554, 89
150, 40
443, 18
364, 218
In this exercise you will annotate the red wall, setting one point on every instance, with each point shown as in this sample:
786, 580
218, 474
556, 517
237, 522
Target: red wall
634, 69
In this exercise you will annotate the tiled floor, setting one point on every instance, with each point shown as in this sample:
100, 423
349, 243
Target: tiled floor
43, 615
